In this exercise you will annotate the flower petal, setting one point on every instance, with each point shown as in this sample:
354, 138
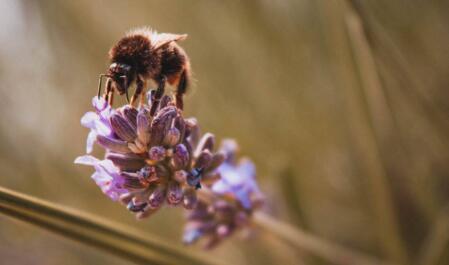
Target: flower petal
161, 124
91, 137
87, 160
123, 128
246, 169
130, 114
99, 103
114, 145
102, 128
126, 162
88, 119
244, 198
220, 187
206, 142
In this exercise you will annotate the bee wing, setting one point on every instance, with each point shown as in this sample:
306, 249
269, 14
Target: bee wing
160, 40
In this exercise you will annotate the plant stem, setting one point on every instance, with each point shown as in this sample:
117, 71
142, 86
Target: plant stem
304, 241
331, 252
114, 238
361, 125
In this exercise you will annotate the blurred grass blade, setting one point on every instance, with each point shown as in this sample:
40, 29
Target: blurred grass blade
382, 128
436, 243
360, 126
114, 238
334, 254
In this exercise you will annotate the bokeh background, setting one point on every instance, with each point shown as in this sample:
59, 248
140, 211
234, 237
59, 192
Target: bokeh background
343, 105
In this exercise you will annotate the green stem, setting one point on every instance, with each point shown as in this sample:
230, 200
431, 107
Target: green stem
302, 240
108, 236
329, 251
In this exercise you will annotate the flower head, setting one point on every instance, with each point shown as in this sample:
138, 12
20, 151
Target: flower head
149, 160
238, 178
230, 200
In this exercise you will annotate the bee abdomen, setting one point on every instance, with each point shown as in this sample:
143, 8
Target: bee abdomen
173, 62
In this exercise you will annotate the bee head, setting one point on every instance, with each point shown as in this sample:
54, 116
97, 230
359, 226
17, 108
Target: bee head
121, 74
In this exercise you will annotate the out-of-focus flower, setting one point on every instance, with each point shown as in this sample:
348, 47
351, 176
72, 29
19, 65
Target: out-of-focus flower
238, 178
149, 160
228, 204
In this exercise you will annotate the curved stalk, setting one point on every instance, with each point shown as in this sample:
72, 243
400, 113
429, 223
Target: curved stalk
105, 235
326, 250
329, 251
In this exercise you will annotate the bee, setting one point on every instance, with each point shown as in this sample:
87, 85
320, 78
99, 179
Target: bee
144, 55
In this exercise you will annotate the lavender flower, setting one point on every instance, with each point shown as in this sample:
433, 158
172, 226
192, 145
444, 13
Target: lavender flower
149, 160
229, 202
106, 175
97, 122
237, 179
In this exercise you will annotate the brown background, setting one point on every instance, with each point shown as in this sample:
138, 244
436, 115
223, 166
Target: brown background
349, 129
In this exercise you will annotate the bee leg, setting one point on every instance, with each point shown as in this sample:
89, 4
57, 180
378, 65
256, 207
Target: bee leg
181, 90
158, 95
138, 92
111, 97
142, 95
99, 84
108, 92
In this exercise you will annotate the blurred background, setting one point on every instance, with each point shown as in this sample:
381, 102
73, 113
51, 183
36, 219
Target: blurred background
343, 105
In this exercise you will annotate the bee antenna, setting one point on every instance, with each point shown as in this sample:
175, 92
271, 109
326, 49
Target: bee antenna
99, 84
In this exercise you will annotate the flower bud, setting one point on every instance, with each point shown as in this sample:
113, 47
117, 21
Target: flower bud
143, 126
130, 113
180, 176
148, 174
135, 207
156, 153
217, 159
126, 162
161, 124
172, 137
192, 131
206, 142
137, 149
190, 200
174, 193
123, 128
180, 157
180, 124
165, 101
114, 145
131, 181
157, 197
204, 159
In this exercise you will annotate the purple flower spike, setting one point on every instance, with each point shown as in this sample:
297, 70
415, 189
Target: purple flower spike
149, 160
233, 197
238, 180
